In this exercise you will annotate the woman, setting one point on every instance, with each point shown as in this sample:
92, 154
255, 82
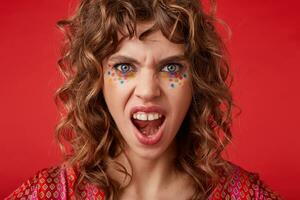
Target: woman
146, 107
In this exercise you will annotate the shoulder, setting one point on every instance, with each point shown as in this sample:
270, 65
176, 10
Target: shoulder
53, 183
238, 183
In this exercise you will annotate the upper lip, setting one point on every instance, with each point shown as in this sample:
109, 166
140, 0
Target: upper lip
148, 109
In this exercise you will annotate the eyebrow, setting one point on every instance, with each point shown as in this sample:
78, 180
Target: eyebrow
127, 59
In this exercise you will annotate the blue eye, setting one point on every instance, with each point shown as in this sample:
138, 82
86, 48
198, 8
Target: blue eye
123, 68
172, 68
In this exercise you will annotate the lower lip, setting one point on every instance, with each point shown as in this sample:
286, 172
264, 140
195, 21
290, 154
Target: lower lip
153, 139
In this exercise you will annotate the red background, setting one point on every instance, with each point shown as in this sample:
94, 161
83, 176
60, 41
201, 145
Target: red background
264, 50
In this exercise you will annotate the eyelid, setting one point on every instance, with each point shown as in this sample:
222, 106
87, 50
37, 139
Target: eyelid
181, 66
116, 65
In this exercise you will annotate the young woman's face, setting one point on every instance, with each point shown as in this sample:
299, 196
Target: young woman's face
147, 88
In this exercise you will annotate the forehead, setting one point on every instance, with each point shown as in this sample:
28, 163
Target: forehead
153, 42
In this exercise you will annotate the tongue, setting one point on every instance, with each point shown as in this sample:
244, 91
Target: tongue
148, 127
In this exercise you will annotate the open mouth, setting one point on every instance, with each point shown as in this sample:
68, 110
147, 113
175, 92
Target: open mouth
148, 123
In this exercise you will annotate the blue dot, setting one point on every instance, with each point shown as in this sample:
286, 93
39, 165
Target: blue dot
121, 82
108, 72
184, 75
172, 85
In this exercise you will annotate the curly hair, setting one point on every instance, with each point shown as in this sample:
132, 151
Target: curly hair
86, 132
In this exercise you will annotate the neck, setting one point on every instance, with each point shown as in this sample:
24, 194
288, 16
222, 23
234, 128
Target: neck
152, 171
149, 175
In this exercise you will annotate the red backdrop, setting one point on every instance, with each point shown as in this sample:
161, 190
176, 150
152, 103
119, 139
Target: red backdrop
264, 50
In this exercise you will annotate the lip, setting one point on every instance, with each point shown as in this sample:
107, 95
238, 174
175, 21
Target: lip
145, 140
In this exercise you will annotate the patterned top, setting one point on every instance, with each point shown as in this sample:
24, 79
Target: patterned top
58, 183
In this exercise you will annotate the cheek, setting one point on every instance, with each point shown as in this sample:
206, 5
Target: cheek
175, 80
114, 98
178, 88
116, 89
116, 77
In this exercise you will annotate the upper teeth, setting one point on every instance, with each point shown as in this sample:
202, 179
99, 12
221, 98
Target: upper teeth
146, 116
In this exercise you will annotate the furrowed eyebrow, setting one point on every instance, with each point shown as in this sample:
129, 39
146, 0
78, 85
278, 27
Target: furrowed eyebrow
170, 59
124, 59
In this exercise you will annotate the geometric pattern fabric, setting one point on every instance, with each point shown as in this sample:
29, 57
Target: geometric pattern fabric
58, 183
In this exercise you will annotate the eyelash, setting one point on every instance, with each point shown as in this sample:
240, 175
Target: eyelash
178, 65
118, 65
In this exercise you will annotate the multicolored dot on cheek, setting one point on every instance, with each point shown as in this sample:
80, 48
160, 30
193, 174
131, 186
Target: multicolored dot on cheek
175, 79
117, 76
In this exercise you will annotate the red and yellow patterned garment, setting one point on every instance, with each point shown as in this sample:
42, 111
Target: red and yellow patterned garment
58, 183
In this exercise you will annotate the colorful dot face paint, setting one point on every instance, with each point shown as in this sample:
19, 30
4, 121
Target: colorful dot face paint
175, 79
175, 74
119, 73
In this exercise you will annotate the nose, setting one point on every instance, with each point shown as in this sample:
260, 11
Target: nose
147, 86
